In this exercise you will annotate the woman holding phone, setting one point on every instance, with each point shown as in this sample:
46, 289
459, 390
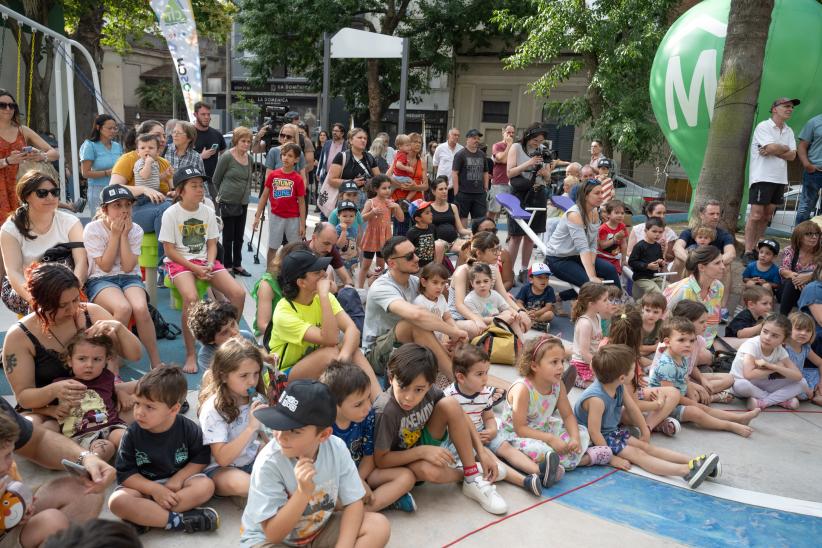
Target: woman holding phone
18, 143
359, 165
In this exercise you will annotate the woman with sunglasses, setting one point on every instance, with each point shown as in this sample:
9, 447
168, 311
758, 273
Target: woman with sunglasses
572, 248
273, 160
359, 166
14, 138
36, 226
798, 261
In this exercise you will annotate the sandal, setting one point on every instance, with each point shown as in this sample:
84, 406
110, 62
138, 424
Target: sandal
724, 397
600, 455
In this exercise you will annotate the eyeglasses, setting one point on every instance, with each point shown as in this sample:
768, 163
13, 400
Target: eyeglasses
189, 230
43, 192
10, 106
178, 132
407, 256
813, 234
286, 136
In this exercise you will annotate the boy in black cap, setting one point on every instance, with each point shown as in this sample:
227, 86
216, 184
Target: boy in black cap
423, 235
763, 271
301, 473
348, 231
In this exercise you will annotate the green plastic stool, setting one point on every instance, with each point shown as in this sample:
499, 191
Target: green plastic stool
176, 300
148, 262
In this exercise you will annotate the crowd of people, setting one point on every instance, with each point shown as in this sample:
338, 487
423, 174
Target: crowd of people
364, 361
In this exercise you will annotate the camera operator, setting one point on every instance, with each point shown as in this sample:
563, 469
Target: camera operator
529, 171
273, 160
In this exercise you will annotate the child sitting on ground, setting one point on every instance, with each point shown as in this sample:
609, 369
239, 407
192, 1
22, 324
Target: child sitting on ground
529, 424
423, 235
384, 487
302, 474
763, 272
758, 301
478, 400
612, 240
537, 297
413, 420
702, 235
161, 459
34, 526
653, 307
647, 259
678, 337
763, 372
616, 298
600, 408
94, 423
656, 404
487, 303
212, 323
228, 399
800, 352
189, 235
348, 235
433, 281
706, 388
591, 304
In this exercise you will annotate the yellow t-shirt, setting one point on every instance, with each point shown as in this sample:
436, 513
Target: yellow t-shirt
125, 168
290, 322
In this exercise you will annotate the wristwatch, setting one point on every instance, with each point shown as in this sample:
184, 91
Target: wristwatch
82, 457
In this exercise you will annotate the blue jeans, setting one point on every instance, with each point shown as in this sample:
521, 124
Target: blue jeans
811, 184
570, 269
149, 216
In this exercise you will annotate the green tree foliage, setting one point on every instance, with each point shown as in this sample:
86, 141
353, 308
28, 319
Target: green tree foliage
244, 112
156, 95
285, 33
610, 42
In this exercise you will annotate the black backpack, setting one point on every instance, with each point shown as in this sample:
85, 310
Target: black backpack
162, 328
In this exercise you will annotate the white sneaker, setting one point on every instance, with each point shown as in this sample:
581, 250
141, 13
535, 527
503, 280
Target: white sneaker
485, 494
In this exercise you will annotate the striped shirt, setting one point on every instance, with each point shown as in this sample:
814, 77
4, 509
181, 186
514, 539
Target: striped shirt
474, 406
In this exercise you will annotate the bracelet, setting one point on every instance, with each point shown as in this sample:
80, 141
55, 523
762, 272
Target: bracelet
82, 457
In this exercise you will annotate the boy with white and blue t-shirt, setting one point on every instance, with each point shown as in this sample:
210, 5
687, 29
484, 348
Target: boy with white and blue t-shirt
354, 425
537, 297
348, 232
301, 473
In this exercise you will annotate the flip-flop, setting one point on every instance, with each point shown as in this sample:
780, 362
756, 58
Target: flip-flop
724, 397
600, 455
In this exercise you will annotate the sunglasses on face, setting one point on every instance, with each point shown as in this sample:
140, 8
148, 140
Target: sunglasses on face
407, 256
813, 234
10, 106
43, 192
286, 136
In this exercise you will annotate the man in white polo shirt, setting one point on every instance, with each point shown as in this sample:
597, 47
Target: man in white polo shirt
772, 147
444, 158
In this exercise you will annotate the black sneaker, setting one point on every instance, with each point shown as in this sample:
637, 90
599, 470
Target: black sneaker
532, 484
749, 256
201, 519
548, 469
716, 473
700, 468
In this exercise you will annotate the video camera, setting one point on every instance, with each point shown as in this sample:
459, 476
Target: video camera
274, 119
547, 154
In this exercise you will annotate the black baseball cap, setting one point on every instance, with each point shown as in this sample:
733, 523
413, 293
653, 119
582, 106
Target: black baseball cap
303, 403
604, 162
349, 186
112, 193
346, 204
299, 262
188, 172
473, 133
770, 244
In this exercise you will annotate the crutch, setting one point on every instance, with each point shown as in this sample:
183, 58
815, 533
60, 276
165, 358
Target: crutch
259, 239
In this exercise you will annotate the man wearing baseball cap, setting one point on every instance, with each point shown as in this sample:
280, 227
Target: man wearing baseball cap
470, 176
301, 473
773, 145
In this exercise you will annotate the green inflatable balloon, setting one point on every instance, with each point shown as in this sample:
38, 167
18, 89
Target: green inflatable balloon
686, 68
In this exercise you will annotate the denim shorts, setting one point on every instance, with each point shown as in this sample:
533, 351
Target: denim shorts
211, 471
121, 281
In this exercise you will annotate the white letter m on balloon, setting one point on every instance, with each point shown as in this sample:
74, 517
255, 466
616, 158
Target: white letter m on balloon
704, 76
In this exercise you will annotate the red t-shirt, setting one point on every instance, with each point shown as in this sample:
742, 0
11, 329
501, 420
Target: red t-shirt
401, 157
499, 175
284, 190
606, 232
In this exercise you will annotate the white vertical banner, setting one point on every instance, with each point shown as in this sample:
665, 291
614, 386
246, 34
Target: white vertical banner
177, 25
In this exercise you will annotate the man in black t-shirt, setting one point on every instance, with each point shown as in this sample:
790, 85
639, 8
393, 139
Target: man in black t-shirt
207, 137
79, 500
470, 175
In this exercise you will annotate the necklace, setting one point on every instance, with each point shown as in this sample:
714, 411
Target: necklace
53, 336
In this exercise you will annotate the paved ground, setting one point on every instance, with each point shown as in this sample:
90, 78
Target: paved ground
605, 509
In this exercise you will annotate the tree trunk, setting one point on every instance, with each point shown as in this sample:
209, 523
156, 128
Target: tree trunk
88, 33
723, 171
593, 96
374, 97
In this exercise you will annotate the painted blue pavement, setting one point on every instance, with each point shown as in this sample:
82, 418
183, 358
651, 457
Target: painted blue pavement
684, 515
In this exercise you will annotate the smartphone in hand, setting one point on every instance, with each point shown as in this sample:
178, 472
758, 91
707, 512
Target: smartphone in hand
75, 469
